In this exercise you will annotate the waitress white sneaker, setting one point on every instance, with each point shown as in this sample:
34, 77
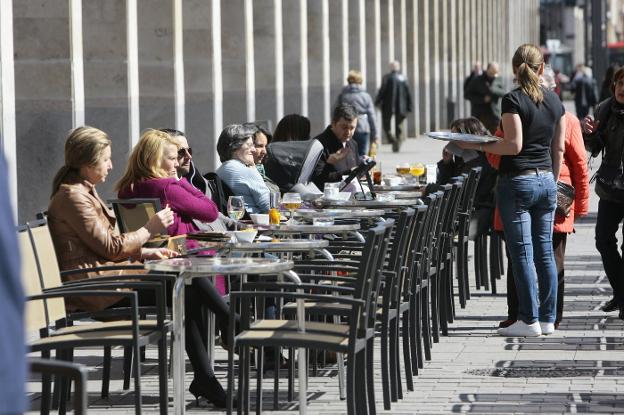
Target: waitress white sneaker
547, 328
521, 329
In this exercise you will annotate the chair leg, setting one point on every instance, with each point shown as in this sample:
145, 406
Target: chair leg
459, 260
435, 307
351, 395
408, 363
230, 377
276, 358
443, 306
395, 374
426, 323
127, 367
483, 261
361, 381
259, 376
162, 375
106, 370
465, 269
291, 374
136, 370
241, 381
46, 383
368, 358
386, 387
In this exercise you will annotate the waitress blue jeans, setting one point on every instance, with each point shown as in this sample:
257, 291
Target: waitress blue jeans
527, 207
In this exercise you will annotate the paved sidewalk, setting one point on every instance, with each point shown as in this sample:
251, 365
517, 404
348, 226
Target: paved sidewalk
473, 370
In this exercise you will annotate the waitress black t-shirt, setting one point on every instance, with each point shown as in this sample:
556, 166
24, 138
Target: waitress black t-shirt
539, 122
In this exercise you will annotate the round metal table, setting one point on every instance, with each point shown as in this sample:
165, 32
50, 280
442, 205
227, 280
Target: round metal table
307, 229
191, 267
390, 204
398, 187
338, 213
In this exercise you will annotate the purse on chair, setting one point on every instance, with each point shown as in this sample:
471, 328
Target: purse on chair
565, 197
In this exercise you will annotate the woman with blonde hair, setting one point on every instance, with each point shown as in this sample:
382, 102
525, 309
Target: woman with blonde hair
532, 148
81, 224
151, 173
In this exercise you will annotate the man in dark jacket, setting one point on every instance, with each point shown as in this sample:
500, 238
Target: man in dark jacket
340, 153
394, 99
484, 93
584, 87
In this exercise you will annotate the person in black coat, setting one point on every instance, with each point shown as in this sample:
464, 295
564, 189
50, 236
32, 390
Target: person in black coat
340, 153
484, 92
394, 99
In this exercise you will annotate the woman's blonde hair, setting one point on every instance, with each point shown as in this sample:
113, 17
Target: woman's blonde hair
526, 63
355, 77
145, 159
83, 147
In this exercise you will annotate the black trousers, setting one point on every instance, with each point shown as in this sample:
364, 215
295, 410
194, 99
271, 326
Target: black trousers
610, 214
386, 121
198, 297
559, 246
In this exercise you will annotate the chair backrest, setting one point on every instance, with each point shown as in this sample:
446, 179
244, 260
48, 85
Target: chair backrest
369, 272
49, 271
36, 317
133, 214
218, 190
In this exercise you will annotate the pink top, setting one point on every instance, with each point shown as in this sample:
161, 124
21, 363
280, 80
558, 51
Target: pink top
186, 201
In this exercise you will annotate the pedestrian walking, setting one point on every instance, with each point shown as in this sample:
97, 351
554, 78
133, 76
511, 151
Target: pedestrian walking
395, 101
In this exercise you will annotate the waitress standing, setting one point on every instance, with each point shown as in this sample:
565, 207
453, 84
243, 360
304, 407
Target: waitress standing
532, 151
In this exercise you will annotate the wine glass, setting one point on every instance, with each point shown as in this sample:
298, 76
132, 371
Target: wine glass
236, 209
403, 169
292, 202
417, 170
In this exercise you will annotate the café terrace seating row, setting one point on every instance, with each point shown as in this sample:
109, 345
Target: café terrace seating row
398, 285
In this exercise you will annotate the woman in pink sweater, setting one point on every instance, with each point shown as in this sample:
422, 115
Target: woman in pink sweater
151, 173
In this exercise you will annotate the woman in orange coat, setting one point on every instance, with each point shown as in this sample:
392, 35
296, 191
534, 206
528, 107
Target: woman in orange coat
573, 172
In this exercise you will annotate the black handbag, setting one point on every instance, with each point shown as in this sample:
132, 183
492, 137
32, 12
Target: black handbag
565, 197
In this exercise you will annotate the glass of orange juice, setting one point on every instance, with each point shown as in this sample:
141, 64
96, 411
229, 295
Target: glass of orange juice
274, 212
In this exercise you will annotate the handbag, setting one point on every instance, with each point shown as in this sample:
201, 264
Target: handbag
565, 197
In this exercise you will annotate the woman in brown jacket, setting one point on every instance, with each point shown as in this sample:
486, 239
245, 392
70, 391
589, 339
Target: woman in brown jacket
82, 226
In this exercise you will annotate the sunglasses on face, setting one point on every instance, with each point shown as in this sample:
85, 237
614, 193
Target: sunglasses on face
184, 151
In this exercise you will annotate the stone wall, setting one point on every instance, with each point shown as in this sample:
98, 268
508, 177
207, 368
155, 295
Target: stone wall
436, 40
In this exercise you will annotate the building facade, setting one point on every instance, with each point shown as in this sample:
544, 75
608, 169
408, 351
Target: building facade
198, 65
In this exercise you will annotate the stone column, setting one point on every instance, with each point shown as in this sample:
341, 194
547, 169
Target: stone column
264, 56
198, 76
292, 56
316, 109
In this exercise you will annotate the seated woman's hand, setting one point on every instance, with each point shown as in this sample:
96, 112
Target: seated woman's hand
158, 253
160, 221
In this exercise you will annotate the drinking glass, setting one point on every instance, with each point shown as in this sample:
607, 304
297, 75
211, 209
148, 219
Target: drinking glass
292, 202
417, 170
236, 209
377, 174
274, 212
403, 169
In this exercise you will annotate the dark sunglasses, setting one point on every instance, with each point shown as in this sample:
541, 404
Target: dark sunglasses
183, 151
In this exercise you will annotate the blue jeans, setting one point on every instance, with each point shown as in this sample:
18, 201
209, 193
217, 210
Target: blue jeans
363, 142
527, 207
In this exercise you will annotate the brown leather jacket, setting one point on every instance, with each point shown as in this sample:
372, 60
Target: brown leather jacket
84, 235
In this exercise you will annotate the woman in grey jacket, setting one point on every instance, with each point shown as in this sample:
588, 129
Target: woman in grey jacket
354, 95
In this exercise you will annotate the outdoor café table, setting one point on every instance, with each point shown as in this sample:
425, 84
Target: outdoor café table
374, 204
281, 246
188, 268
398, 187
404, 194
339, 213
307, 229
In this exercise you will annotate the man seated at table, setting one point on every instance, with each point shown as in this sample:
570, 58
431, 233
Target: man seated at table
186, 169
340, 153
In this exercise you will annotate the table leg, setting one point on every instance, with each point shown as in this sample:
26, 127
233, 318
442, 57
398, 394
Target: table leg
179, 403
302, 363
